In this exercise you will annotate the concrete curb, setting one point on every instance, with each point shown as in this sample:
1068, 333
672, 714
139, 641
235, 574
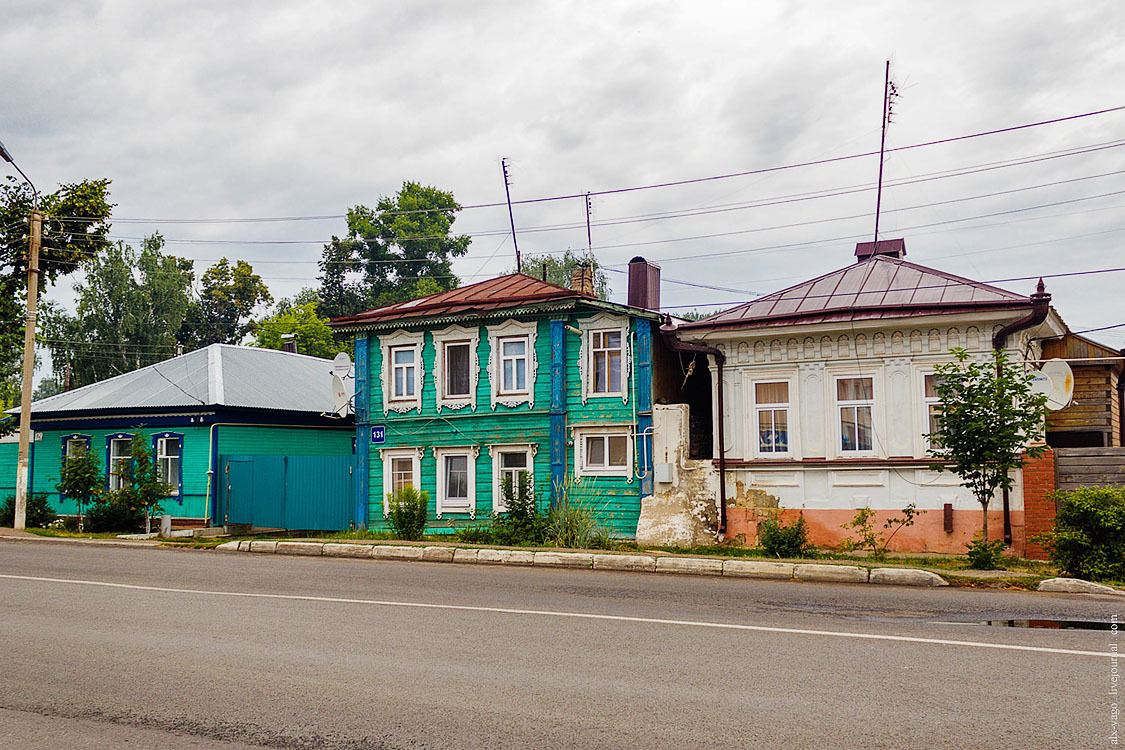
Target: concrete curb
705, 566
1077, 586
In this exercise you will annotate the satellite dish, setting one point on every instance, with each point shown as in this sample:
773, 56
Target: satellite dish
1062, 383
342, 365
340, 396
1041, 384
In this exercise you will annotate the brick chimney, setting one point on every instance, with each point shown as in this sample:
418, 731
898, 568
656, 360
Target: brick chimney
889, 248
582, 280
644, 284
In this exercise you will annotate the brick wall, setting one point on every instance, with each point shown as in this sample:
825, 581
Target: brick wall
1038, 500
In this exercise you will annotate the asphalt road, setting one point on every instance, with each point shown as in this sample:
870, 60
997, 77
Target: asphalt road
207, 650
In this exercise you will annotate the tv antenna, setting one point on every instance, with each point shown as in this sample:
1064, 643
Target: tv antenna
890, 93
511, 218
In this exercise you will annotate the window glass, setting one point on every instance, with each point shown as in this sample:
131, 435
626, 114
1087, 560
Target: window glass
771, 403
595, 450
75, 447
403, 365
771, 393
933, 407
402, 473
118, 456
168, 461
606, 354
855, 397
457, 477
618, 450
513, 356
511, 466
457, 369
854, 389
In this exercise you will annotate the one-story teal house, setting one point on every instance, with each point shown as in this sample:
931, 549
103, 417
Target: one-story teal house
458, 392
243, 435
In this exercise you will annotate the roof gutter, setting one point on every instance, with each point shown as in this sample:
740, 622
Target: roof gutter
668, 333
1040, 306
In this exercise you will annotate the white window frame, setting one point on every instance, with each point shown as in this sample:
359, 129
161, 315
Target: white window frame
496, 334
837, 423
442, 339
757, 408
496, 451
604, 322
387, 455
927, 402
444, 503
113, 478
387, 345
161, 457
82, 440
581, 469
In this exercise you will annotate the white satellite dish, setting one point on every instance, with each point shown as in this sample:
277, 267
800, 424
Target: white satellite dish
342, 365
340, 398
1062, 383
1041, 384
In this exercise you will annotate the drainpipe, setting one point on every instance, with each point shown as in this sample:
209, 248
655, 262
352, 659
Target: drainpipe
1120, 401
668, 334
1040, 306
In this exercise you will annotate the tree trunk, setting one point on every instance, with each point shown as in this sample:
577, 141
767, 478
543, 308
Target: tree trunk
984, 521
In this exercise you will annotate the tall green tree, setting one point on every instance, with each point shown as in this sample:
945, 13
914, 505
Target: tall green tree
227, 298
399, 250
75, 223
989, 421
560, 267
130, 307
313, 335
81, 479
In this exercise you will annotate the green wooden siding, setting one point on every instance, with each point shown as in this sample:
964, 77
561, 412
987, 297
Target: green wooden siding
285, 441
616, 500
9, 452
47, 461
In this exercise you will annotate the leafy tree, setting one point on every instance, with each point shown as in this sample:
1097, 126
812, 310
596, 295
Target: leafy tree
403, 248
227, 298
81, 479
48, 386
559, 268
75, 223
989, 417
129, 310
314, 337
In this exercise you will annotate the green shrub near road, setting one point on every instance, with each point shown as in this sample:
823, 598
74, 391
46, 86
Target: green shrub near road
38, 513
1089, 536
408, 513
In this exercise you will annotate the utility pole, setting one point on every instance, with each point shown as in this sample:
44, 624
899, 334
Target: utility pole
28, 368
511, 218
889, 94
28, 346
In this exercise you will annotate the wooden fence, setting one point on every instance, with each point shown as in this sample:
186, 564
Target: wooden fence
1090, 467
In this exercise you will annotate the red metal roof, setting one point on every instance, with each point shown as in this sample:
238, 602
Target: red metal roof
880, 286
512, 290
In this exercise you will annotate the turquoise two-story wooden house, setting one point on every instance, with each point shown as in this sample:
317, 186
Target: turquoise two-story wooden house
458, 392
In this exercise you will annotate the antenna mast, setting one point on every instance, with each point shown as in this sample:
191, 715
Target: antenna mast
589, 237
511, 218
889, 94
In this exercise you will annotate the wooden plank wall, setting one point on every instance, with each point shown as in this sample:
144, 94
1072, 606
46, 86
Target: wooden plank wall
1090, 467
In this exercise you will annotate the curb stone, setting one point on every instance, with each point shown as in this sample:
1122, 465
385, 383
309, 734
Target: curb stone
311, 549
387, 552
437, 554
694, 566
1077, 586
333, 549
263, 546
564, 559
755, 569
830, 573
906, 577
646, 563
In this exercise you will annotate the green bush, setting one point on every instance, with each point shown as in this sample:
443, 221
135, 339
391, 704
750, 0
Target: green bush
37, 515
985, 554
408, 508
1089, 536
573, 523
522, 522
115, 514
782, 541
474, 535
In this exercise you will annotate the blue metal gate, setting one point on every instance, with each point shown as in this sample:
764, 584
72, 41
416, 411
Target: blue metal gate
288, 492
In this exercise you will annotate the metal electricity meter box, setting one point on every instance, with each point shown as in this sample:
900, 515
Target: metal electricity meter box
662, 472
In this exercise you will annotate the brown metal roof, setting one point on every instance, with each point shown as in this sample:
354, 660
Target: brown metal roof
880, 286
512, 290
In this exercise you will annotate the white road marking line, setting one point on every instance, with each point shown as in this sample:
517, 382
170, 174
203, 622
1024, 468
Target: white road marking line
575, 615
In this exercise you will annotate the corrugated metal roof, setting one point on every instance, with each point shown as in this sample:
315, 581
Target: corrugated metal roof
218, 375
880, 286
511, 290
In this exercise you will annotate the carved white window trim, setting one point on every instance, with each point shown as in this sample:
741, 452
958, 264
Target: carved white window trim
604, 322
529, 449
385, 455
580, 467
396, 340
442, 504
453, 335
511, 329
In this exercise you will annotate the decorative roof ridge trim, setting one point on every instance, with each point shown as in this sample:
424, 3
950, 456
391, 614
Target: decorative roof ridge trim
935, 308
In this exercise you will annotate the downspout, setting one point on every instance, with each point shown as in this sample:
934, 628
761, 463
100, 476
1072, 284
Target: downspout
1120, 401
668, 334
1040, 306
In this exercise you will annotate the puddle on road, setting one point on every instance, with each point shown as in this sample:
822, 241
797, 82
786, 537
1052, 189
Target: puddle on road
1046, 624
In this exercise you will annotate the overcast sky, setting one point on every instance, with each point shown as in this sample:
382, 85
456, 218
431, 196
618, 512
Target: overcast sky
206, 110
